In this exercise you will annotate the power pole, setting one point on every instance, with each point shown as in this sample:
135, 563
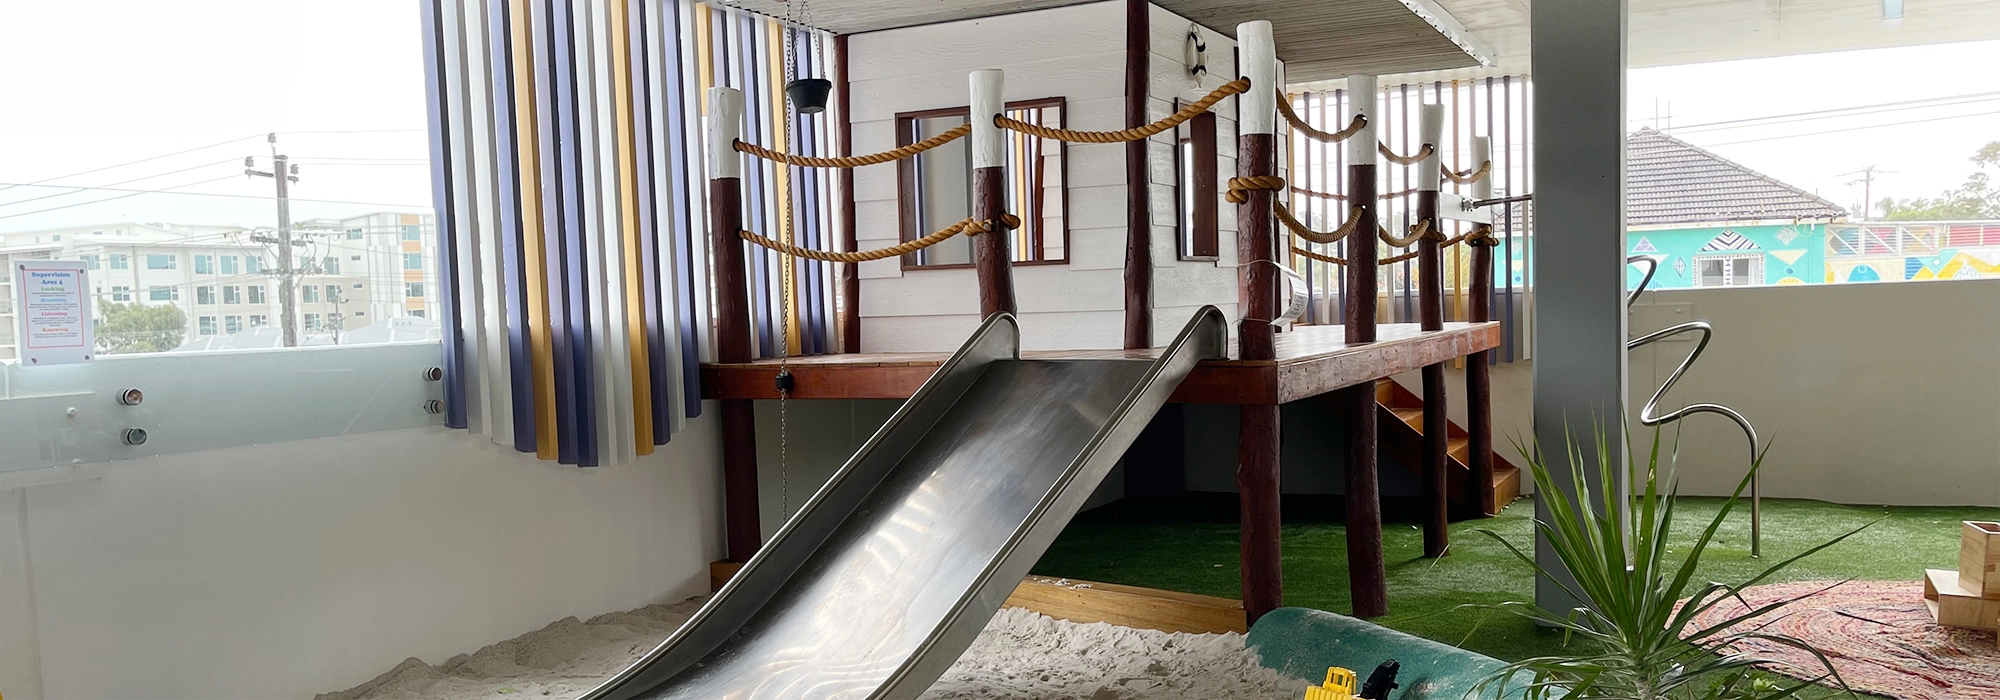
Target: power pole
284, 174
1867, 183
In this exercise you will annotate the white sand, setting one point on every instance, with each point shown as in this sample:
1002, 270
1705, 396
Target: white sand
1021, 655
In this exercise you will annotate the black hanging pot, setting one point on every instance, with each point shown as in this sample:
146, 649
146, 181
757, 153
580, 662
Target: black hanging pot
808, 95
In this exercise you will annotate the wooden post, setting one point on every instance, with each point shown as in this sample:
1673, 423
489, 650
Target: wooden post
1479, 365
1138, 200
1430, 317
991, 258
1257, 437
850, 273
1367, 576
732, 320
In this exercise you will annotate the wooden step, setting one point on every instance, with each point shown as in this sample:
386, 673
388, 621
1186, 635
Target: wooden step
1952, 605
1385, 392
1413, 417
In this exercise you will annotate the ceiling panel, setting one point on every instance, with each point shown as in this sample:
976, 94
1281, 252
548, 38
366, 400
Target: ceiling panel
1317, 39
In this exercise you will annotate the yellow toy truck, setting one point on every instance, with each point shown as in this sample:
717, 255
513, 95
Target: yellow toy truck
1339, 685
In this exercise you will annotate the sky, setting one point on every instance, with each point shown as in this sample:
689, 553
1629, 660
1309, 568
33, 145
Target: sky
97, 83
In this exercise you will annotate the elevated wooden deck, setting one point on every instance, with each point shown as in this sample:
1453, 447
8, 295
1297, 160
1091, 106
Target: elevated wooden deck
1312, 360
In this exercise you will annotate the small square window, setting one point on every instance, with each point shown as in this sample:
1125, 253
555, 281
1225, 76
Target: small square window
232, 294
228, 264
91, 262
413, 289
204, 295
204, 264
162, 262
330, 265
232, 324
253, 264
120, 262
312, 322
413, 261
257, 320
163, 293
121, 293
309, 294
412, 233
354, 234
207, 325
256, 294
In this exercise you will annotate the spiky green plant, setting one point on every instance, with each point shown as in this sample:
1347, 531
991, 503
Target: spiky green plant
1634, 639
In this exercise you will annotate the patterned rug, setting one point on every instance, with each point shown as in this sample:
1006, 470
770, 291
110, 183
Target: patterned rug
1879, 636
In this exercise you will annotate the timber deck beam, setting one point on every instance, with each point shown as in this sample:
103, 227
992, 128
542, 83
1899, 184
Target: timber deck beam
1311, 360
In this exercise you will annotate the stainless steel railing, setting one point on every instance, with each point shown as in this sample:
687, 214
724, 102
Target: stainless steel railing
1648, 417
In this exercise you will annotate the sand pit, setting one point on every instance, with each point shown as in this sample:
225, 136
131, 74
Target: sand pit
1021, 655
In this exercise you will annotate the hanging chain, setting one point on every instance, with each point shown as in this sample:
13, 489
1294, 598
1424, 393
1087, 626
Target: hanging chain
784, 378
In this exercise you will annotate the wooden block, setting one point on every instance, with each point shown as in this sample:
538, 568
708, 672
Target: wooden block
1979, 558
1954, 606
1130, 606
721, 573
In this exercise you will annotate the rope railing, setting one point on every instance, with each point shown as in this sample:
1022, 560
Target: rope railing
1470, 176
1299, 123
1342, 198
1303, 231
1233, 87
1418, 232
967, 226
899, 153
1481, 235
1411, 159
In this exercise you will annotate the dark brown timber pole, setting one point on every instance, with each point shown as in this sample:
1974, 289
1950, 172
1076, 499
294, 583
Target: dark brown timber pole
1367, 576
850, 273
732, 320
991, 258
1138, 201
1256, 272
1430, 317
1478, 366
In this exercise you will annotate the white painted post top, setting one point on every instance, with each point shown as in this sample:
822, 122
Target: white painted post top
1482, 152
1361, 103
988, 100
725, 125
1259, 56
1430, 130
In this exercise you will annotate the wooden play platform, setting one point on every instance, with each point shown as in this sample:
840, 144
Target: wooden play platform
1311, 360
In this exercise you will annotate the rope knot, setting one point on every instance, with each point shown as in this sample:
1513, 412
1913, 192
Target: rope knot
1241, 187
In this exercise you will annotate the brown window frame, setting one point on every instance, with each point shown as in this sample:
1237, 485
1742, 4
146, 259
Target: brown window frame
1200, 166
907, 220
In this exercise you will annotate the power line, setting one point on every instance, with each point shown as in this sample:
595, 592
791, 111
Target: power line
122, 196
10, 186
1853, 128
1775, 121
78, 190
1838, 109
3, 185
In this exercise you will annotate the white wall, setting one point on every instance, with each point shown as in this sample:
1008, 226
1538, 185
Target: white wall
1869, 393
288, 569
1075, 52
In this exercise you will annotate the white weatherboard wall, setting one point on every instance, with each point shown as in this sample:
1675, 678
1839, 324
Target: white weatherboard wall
1077, 53
287, 569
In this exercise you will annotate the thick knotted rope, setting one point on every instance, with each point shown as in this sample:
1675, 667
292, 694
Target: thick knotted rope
1301, 230
968, 226
1233, 87
1481, 235
1470, 176
1299, 124
1413, 159
954, 134
1341, 197
1420, 231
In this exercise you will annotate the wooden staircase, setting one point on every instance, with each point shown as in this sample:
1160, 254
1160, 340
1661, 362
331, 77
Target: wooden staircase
1400, 414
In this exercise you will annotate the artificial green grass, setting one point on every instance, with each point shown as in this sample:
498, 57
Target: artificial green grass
1189, 544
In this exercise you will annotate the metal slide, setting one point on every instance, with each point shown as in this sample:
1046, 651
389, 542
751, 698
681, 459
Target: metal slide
888, 573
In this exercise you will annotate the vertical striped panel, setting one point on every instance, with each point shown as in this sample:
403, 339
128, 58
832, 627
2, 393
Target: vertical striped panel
571, 212
435, 83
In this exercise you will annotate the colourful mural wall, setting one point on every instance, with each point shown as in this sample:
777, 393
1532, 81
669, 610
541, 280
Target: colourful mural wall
1772, 254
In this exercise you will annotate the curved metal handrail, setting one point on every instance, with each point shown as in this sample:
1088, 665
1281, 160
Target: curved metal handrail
1646, 412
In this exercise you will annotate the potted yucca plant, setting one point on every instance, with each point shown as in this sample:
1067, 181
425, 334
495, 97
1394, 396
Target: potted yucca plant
1635, 640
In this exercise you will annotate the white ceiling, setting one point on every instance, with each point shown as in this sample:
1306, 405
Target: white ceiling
1674, 32
1325, 39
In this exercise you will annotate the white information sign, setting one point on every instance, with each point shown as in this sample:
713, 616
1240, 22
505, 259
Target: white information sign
52, 312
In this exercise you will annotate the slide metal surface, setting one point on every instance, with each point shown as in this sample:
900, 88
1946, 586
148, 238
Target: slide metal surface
887, 574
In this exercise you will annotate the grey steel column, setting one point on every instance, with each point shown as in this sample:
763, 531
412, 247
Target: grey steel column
1579, 263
